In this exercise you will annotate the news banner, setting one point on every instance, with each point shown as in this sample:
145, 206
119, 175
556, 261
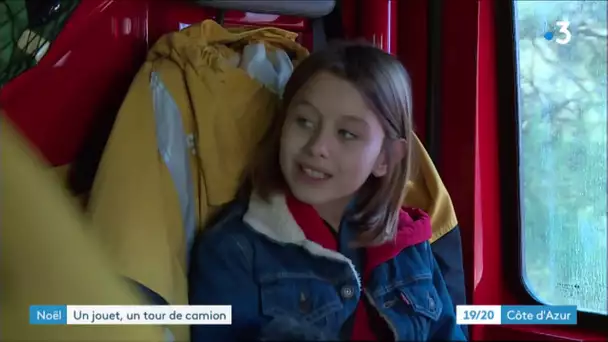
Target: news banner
222, 314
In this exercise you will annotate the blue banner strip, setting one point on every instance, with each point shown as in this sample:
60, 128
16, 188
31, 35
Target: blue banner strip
538, 314
48, 314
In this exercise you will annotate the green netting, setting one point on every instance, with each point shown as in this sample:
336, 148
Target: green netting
27, 28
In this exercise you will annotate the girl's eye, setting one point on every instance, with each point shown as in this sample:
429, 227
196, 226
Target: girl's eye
303, 122
347, 135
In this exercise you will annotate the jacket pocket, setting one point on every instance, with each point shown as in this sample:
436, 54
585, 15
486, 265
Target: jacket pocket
413, 308
423, 299
308, 299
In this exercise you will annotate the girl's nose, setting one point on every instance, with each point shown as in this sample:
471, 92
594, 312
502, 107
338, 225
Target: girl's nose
318, 145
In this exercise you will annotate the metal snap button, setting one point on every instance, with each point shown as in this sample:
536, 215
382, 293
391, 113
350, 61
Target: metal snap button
431, 303
304, 303
347, 292
390, 303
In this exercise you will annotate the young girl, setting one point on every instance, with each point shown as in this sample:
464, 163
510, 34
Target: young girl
321, 248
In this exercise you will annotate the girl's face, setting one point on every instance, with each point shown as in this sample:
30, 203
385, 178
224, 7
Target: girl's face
331, 142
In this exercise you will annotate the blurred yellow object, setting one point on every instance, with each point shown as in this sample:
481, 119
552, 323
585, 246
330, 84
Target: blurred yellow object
47, 257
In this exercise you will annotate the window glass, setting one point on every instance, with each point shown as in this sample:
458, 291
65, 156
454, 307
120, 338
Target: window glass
561, 48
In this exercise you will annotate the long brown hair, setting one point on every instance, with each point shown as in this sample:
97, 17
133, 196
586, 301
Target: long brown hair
385, 85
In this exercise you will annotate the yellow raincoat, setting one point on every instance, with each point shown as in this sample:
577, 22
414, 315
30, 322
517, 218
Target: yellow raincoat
190, 74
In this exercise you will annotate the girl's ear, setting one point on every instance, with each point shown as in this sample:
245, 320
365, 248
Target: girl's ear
398, 150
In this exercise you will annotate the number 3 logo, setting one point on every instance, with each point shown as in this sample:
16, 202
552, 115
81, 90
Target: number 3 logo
563, 28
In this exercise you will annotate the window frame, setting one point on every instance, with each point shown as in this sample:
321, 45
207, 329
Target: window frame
507, 78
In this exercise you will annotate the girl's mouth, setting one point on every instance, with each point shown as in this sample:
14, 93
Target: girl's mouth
313, 173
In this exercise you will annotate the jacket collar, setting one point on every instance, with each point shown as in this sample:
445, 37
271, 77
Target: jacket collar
291, 224
274, 220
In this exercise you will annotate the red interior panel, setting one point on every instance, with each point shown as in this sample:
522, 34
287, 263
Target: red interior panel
72, 96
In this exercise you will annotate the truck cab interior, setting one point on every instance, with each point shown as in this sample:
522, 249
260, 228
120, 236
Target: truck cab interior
79, 75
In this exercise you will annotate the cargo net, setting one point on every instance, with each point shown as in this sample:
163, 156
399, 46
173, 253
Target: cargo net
27, 28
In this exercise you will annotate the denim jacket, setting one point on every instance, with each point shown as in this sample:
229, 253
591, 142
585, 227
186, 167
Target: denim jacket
283, 286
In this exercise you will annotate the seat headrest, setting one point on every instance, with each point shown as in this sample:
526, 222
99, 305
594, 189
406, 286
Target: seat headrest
299, 8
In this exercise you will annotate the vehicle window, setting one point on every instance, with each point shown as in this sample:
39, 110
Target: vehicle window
561, 48
27, 29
